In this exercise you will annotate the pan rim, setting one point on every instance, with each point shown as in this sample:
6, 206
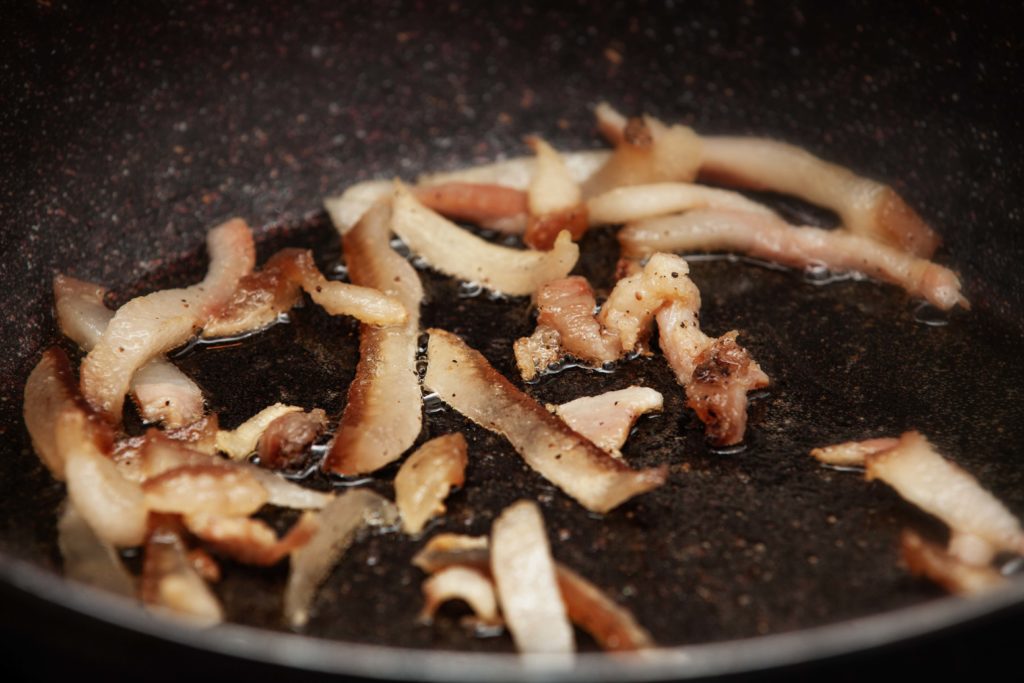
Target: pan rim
320, 655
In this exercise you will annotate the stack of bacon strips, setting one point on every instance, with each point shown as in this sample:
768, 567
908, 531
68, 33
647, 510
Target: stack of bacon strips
187, 492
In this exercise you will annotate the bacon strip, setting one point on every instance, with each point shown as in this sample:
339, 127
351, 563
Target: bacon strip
169, 581
865, 207
516, 173
491, 206
147, 326
554, 199
646, 152
199, 489
944, 568
338, 524
607, 418
464, 379
524, 578
240, 442
637, 202
51, 391
941, 488
459, 253
383, 415
852, 453
424, 480
250, 541
348, 208
461, 583
285, 440
773, 240
162, 392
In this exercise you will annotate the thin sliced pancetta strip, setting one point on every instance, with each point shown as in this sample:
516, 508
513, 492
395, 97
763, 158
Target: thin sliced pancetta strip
250, 541
852, 453
524, 578
170, 582
459, 253
240, 442
607, 418
383, 415
114, 507
865, 207
946, 569
426, 478
147, 326
51, 391
941, 488
88, 559
772, 239
464, 379
461, 583
162, 392
338, 523
516, 173
647, 151
555, 200
637, 202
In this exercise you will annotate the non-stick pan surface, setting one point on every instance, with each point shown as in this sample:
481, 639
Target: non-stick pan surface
127, 131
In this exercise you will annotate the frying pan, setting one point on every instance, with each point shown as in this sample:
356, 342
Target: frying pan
129, 129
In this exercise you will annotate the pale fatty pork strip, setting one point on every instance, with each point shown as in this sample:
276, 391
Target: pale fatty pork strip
772, 239
464, 379
383, 414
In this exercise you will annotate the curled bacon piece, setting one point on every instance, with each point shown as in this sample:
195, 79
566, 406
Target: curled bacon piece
464, 379
461, 583
170, 582
517, 173
202, 488
916, 470
865, 207
607, 418
554, 199
646, 151
348, 208
286, 438
240, 442
424, 480
946, 569
772, 239
383, 415
338, 523
459, 253
147, 326
524, 578
250, 541
492, 206
162, 392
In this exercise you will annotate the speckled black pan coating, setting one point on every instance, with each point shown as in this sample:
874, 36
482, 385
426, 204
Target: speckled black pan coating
126, 131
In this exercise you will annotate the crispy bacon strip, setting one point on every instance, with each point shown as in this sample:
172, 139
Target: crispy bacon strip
461, 583
916, 470
425, 479
114, 507
647, 151
524, 578
773, 240
338, 524
147, 326
865, 207
250, 541
169, 581
944, 568
637, 202
607, 418
459, 253
383, 415
565, 324
464, 379
162, 392
51, 391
